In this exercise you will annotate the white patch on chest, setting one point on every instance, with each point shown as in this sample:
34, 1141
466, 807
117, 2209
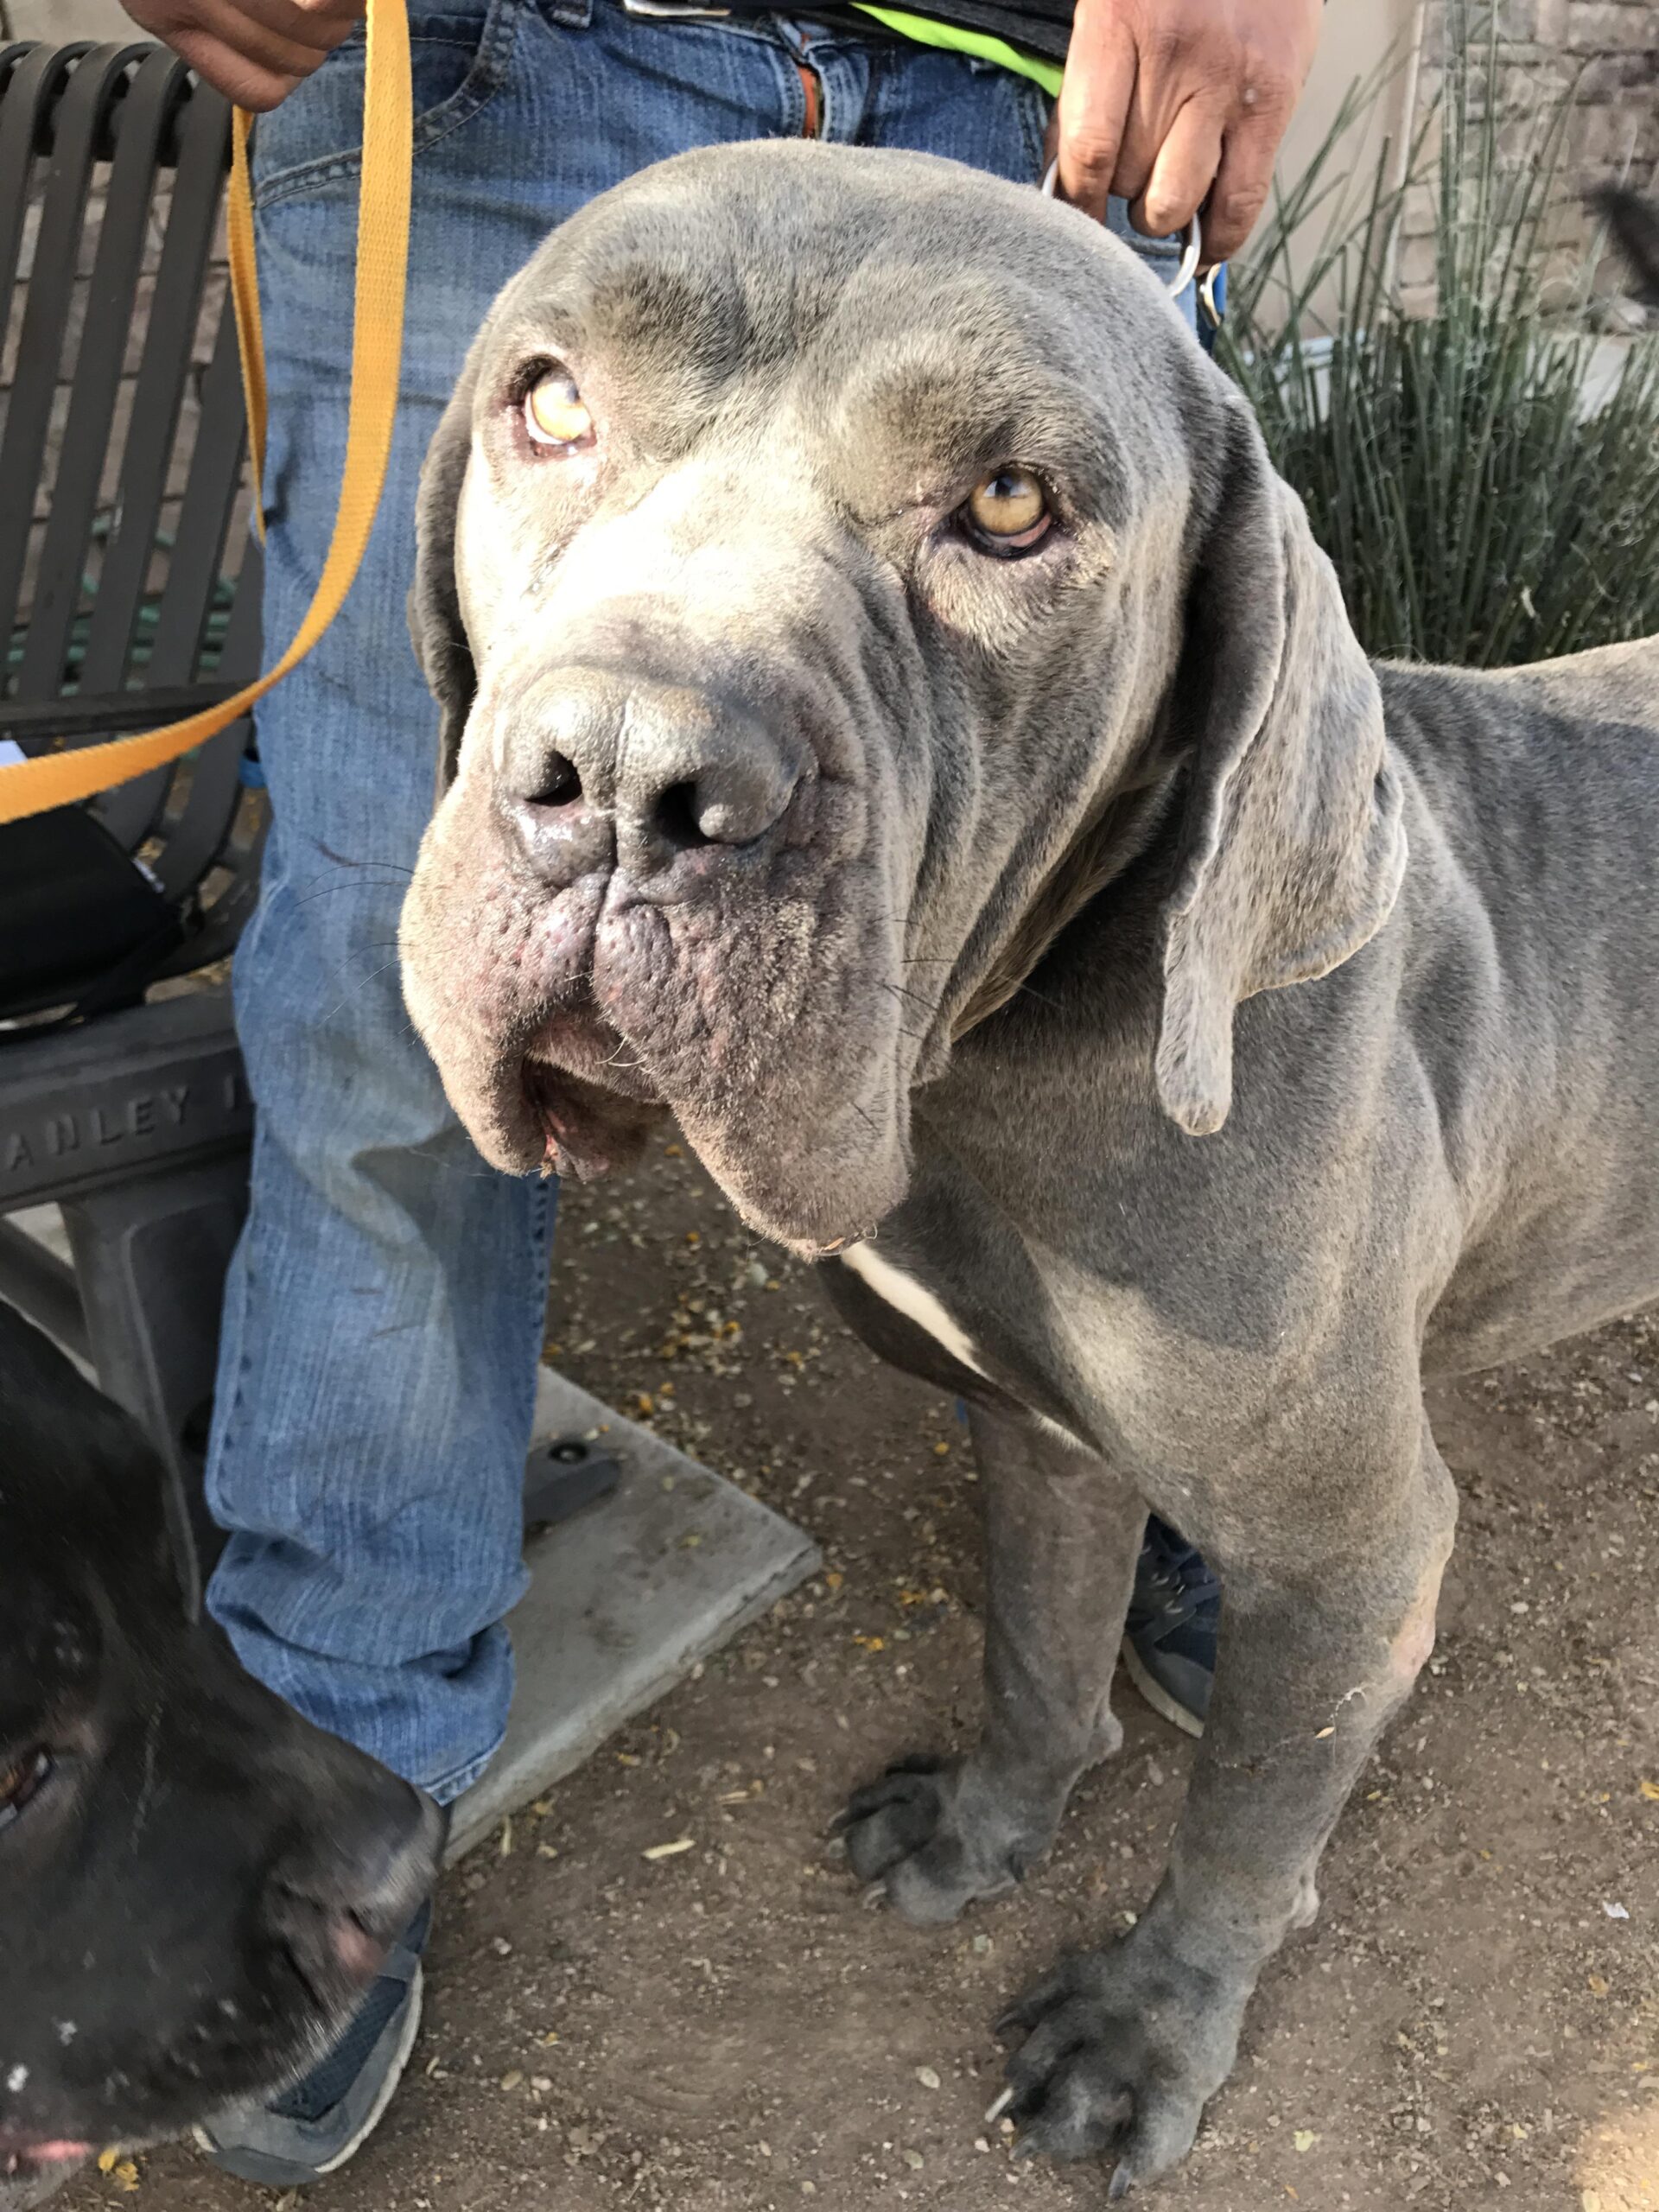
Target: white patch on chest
913, 1301
917, 1304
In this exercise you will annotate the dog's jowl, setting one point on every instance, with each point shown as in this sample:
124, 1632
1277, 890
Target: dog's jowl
894, 718
195, 1885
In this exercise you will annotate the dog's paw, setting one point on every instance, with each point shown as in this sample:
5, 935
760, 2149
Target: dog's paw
937, 1834
1119, 2052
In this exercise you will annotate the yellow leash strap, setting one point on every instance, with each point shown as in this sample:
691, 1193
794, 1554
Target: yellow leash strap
61, 778
245, 300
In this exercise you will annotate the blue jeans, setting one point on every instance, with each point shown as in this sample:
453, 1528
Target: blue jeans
384, 1314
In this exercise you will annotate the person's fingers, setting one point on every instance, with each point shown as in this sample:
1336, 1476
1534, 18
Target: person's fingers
1135, 154
1095, 95
243, 82
1243, 180
246, 83
319, 23
1182, 173
1138, 148
273, 32
253, 51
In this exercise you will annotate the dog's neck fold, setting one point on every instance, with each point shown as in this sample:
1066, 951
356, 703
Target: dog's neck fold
1117, 832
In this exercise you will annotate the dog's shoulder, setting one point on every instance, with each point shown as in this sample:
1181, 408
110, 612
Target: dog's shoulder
1532, 808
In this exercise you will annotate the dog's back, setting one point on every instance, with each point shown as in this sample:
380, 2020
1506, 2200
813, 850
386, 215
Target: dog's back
1534, 830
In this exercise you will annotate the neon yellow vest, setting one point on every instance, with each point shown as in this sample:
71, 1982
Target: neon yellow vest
979, 44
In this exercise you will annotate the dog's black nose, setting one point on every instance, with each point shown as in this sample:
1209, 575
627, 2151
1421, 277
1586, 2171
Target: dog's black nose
338, 1902
598, 765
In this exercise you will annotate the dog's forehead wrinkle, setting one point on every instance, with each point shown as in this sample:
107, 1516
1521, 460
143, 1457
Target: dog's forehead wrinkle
690, 267
718, 530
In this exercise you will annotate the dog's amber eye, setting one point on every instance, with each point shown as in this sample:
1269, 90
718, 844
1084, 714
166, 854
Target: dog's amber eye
1010, 510
554, 413
20, 1781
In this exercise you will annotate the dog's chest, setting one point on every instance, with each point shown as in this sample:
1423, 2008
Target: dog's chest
914, 1300
902, 1292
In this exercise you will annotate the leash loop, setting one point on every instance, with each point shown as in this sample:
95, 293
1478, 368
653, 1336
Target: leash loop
1194, 248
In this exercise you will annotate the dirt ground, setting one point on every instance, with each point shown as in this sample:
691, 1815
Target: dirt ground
1473, 2022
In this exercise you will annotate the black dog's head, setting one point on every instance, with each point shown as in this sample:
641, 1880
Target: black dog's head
195, 1885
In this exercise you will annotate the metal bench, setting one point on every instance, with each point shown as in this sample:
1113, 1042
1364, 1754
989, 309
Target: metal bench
129, 595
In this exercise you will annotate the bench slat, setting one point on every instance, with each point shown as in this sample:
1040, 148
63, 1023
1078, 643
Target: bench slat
110, 300
164, 373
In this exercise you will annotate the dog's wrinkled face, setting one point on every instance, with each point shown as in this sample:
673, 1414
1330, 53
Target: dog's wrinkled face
806, 558
195, 1885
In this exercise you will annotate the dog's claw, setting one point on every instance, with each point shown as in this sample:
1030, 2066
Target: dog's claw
874, 1896
1119, 2185
996, 2111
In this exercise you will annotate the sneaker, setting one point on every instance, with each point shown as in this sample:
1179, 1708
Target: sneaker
1169, 1638
314, 2127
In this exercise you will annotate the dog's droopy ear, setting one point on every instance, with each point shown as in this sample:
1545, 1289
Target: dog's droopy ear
1293, 845
435, 623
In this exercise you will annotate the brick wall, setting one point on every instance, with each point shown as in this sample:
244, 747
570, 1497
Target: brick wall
1602, 53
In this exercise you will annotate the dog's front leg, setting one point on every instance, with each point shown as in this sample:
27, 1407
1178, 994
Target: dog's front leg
1062, 1533
1320, 1644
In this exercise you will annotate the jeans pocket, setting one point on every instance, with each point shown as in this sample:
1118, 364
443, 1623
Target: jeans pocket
460, 57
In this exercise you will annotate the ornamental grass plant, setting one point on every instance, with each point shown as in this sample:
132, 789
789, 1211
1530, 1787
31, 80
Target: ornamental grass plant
1485, 474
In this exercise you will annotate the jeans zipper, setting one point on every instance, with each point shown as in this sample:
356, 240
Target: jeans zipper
812, 87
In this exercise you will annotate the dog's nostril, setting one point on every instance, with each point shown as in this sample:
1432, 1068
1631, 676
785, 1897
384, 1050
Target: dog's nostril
676, 817
558, 784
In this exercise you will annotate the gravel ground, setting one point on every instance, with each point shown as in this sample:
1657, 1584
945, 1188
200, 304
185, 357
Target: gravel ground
1473, 2022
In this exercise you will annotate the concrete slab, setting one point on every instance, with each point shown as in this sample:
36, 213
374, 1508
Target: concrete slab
627, 1598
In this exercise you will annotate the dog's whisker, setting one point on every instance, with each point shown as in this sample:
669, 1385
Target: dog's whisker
324, 891
356, 990
345, 860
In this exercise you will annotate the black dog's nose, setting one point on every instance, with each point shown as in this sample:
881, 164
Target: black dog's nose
338, 1905
599, 764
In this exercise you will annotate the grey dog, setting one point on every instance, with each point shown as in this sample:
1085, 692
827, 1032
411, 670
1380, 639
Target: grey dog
1171, 1032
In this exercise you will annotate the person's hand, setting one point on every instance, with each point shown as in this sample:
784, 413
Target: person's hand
253, 51
1180, 105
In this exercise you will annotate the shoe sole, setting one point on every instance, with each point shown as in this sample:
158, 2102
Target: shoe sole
1166, 1706
296, 2176
394, 2075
